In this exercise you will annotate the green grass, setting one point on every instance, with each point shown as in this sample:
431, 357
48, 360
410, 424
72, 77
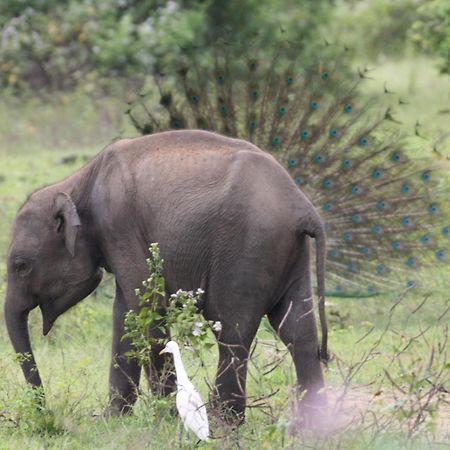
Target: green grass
74, 359
425, 93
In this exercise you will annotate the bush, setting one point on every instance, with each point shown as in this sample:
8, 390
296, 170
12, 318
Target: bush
58, 45
178, 314
431, 32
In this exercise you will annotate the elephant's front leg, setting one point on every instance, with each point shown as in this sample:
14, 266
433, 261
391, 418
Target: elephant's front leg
159, 370
125, 372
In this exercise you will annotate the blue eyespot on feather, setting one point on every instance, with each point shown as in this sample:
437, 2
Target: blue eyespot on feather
405, 188
381, 204
446, 231
223, 109
406, 221
376, 174
380, 268
292, 163
282, 111
376, 229
433, 209
290, 81
347, 237
325, 75
365, 250
396, 245
410, 284
195, 99
254, 94
333, 253
346, 163
333, 133
440, 254
252, 125
327, 183
220, 79
426, 176
328, 207
314, 105
276, 140
371, 290
425, 239
176, 124
355, 189
395, 157
363, 141
318, 159
252, 66
304, 135
298, 180
348, 108
351, 266
356, 218
411, 262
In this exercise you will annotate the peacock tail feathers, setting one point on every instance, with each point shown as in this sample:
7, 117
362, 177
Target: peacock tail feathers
382, 206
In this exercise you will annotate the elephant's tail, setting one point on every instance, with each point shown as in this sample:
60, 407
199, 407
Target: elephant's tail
316, 230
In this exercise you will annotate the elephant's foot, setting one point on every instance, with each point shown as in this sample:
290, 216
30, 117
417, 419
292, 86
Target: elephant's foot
118, 407
310, 410
226, 413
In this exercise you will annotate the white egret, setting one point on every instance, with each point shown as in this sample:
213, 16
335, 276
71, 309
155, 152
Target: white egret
190, 406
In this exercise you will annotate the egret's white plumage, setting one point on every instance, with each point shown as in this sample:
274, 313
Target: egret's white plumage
190, 406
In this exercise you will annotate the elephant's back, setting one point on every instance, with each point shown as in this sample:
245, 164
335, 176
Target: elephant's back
193, 170
170, 143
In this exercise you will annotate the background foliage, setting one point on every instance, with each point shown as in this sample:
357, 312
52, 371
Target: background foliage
59, 45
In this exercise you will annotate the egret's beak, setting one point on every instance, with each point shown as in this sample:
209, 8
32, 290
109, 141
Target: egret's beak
164, 350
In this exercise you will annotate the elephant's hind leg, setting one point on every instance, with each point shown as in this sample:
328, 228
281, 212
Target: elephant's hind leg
231, 376
293, 320
238, 307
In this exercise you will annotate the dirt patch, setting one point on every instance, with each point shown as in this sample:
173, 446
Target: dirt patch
359, 406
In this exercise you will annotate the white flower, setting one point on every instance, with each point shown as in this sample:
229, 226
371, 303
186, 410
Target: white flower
200, 291
173, 296
198, 324
196, 332
217, 326
137, 291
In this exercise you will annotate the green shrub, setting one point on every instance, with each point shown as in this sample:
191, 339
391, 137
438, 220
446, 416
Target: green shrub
178, 313
431, 31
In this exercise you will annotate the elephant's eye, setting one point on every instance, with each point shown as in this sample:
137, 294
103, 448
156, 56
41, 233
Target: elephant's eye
23, 268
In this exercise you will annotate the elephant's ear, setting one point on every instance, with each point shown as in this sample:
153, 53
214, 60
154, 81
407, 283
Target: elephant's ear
67, 220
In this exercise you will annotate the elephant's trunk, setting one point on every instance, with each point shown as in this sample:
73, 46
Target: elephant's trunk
17, 324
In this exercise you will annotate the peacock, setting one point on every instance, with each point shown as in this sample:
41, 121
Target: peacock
381, 205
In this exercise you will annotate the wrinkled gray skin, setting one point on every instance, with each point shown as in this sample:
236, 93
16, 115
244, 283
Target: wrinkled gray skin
228, 219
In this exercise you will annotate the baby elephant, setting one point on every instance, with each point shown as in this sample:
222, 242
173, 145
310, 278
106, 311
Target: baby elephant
228, 219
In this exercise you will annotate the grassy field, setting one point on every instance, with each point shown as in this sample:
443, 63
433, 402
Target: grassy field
388, 382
